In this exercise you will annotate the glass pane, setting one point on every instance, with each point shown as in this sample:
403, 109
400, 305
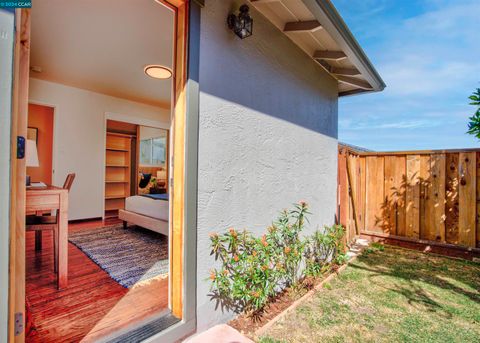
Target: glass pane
159, 150
146, 151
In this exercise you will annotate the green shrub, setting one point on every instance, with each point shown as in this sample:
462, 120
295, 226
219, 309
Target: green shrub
254, 269
324, 247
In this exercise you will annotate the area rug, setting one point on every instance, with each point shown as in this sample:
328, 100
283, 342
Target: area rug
130, 256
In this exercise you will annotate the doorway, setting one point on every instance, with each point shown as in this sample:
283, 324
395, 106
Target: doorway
176, 300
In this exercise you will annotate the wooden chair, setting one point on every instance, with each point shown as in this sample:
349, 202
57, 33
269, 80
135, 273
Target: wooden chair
40, 222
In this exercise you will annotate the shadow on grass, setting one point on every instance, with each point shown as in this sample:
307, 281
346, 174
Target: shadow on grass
410, 269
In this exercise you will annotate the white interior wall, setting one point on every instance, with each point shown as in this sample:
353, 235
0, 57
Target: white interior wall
79, 138
151, 132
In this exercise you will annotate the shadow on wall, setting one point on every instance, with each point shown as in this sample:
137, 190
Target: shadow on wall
266, 73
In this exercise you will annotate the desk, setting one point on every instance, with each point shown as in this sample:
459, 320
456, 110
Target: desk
47, 199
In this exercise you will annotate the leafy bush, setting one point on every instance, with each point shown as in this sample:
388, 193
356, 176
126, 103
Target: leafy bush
287, 245
324, 247
474, 120
255, 269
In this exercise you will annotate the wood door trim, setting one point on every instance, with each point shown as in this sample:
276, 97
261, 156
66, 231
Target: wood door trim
178, 165
18, 172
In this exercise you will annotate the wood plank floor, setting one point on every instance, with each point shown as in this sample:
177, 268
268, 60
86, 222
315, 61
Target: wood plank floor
93, 305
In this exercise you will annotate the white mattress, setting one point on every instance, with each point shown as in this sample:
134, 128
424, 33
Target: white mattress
157, 209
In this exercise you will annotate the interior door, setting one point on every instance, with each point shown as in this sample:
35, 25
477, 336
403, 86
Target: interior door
19, 110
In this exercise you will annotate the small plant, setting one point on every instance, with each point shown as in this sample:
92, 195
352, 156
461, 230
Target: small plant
374, 247
248, 277
324, 247
287, 245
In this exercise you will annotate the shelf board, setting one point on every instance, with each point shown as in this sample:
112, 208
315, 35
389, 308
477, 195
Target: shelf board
115, 197
117, 149
114, 208
111, 214
120, 134
117, 166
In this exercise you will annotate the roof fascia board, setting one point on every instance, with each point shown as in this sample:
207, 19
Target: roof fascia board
330, 19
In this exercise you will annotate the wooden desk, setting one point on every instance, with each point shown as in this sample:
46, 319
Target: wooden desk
47, 199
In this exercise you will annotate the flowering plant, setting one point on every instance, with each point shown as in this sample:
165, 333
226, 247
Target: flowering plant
254, 269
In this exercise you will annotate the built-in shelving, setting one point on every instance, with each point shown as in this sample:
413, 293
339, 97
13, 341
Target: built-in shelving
117, 172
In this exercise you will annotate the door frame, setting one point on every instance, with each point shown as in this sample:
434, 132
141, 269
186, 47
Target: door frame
21, 68
183, 185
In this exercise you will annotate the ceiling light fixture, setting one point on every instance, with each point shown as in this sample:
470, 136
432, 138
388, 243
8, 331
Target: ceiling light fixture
157, 71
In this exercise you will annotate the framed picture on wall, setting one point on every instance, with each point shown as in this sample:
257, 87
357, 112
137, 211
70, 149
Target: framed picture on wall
32, 134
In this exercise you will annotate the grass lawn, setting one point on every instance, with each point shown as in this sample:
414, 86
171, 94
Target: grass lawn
394, 295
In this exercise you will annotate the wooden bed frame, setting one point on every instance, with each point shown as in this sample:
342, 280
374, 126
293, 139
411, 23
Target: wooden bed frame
154, 224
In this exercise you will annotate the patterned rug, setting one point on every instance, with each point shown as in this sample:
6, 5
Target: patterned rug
129, 256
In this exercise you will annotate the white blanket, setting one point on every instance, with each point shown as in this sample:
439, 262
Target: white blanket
157, 209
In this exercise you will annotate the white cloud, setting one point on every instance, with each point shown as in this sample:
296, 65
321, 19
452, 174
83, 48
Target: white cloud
368, 125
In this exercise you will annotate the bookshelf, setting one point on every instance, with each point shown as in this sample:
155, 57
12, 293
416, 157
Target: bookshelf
117, 172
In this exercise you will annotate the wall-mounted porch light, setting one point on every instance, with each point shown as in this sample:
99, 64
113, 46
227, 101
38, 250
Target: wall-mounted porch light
241, 25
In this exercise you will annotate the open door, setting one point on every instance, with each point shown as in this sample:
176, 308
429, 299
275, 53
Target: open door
16, 314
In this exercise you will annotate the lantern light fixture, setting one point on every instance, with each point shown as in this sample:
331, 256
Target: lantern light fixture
241, 25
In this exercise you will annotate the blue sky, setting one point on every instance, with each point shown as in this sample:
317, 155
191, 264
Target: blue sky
428, 54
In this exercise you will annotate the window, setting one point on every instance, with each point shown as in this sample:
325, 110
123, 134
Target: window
153, 151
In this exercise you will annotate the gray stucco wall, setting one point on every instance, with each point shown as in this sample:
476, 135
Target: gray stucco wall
267, 139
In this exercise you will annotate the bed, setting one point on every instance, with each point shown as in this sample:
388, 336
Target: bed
148, 211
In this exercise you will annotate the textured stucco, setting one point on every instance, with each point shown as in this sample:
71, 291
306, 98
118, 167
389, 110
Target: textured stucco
267, 136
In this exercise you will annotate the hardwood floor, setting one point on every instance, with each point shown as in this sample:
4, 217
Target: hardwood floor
93, 305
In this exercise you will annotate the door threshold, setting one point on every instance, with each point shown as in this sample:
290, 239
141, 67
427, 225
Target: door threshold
147, 329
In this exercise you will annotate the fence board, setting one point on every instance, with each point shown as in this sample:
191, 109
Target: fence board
438, 195
374, 193
394, 202
412, 197
451, 198
342, 190
435, 204
400, 185
389, 213
362, 195
478, 199
467, 199
351, 165
426, 204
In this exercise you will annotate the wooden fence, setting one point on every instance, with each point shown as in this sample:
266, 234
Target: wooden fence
420, 195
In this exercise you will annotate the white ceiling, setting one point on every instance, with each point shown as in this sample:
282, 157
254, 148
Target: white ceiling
103, 46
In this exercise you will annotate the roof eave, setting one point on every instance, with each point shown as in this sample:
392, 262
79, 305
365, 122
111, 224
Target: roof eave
325, 13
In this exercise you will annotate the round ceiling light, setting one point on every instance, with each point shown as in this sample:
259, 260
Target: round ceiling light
157, 71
